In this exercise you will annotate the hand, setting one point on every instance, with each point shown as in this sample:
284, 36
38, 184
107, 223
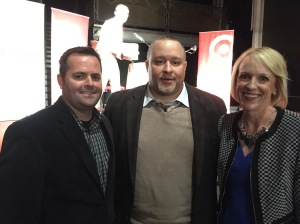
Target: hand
94, 43
123, 57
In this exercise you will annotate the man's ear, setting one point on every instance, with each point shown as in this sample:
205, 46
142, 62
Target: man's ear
185, 65
60, 80
147, 65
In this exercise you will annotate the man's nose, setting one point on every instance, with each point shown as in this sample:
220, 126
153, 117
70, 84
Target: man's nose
89, 81
168, 66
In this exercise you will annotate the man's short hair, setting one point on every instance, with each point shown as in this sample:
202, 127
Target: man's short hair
63, 61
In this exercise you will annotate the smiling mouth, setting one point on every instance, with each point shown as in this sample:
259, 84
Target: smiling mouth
88, 93
252, 96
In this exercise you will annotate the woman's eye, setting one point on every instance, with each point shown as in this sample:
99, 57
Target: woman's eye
263, 79
244, 77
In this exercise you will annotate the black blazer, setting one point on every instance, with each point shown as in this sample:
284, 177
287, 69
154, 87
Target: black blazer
48, 173
124, 111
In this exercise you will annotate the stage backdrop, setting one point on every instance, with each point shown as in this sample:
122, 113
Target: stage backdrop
215, 62
67, 30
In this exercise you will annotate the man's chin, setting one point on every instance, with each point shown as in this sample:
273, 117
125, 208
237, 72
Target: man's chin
91, 102
167, 90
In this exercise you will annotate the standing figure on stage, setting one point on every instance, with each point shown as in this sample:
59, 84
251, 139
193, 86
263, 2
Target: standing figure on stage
110, 47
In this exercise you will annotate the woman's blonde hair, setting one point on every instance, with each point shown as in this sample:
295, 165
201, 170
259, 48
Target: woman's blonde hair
275, 62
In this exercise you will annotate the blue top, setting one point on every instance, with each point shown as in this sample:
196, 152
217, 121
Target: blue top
237, 207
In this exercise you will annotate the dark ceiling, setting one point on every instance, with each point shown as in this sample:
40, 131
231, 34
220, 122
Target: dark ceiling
204, 2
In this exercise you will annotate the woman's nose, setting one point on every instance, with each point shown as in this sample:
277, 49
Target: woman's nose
251, 84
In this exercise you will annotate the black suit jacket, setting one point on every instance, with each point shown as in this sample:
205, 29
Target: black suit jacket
48, 173
124, 110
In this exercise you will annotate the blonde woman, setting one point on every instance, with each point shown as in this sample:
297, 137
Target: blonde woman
259, 157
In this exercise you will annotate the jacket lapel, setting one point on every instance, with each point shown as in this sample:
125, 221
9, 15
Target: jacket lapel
197, 109
134, 113
74, 135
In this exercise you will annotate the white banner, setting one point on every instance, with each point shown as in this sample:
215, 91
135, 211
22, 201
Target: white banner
22, 58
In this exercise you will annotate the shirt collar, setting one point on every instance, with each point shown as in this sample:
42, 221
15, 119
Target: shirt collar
95, 120
182, 98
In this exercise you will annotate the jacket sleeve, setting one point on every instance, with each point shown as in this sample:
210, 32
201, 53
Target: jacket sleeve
220, 124
297, 189
22, 170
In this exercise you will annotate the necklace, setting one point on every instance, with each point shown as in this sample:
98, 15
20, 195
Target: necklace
251, 139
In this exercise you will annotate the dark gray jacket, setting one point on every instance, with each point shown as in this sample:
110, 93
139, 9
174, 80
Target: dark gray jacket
275, 171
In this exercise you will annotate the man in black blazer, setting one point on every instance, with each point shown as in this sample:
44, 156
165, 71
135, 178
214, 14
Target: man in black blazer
166, 159
57, 165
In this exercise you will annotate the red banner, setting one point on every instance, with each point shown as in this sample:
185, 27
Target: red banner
215, 62
67, 30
